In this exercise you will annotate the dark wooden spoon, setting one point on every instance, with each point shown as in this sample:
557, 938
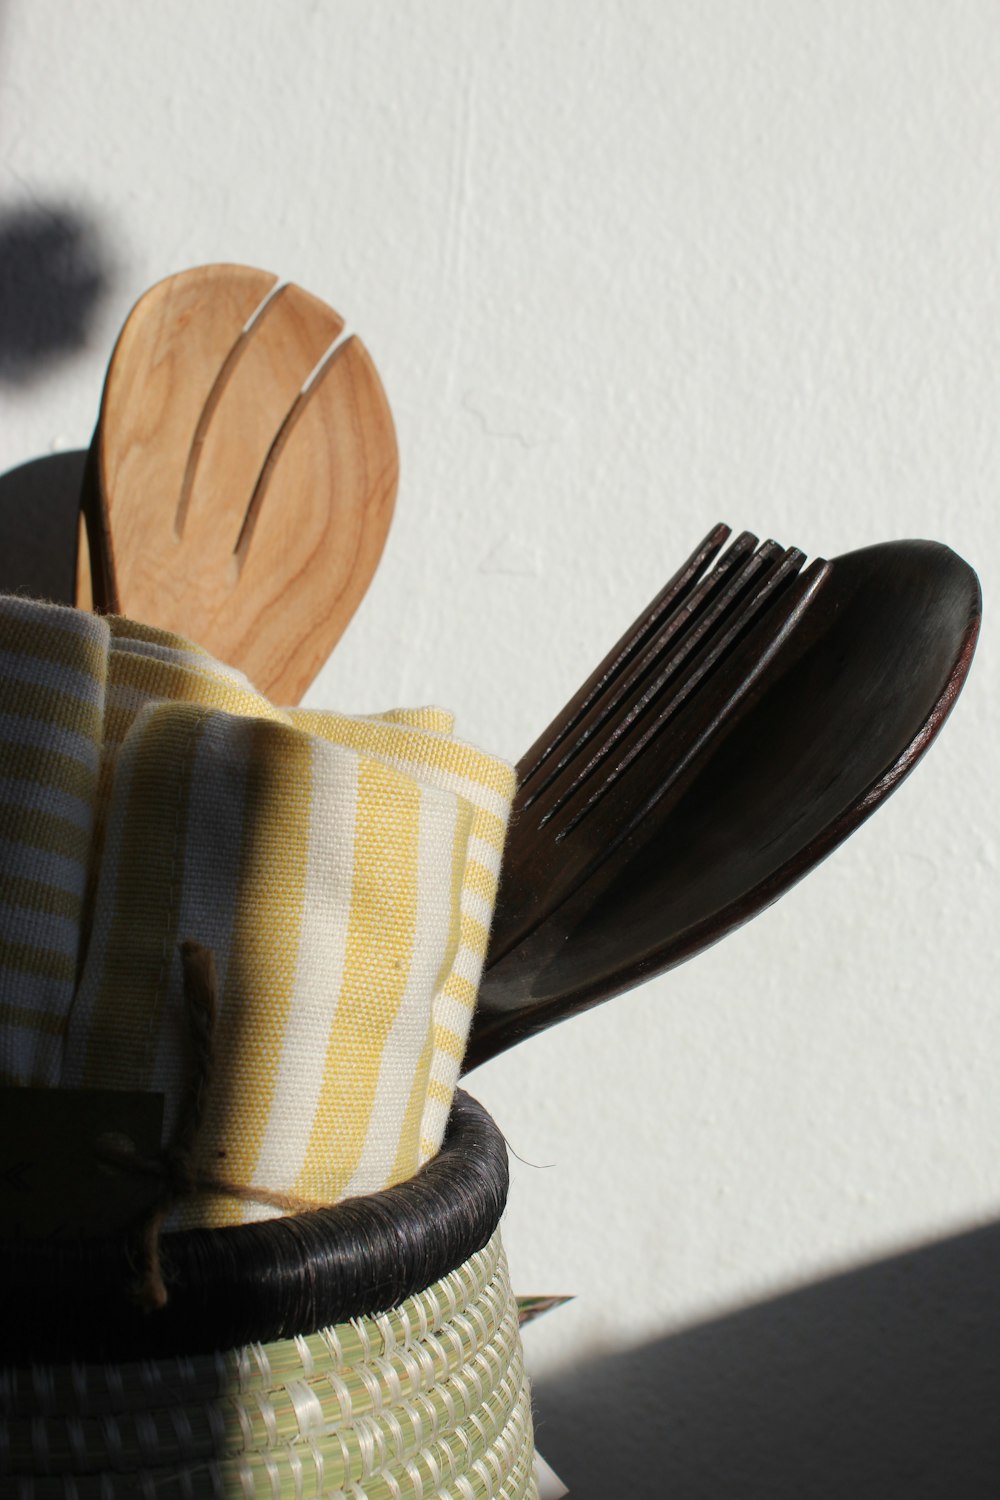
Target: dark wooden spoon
844, 710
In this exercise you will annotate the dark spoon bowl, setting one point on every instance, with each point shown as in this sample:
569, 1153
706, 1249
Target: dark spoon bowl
845, 710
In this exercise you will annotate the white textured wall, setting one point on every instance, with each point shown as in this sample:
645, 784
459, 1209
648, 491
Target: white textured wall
626, 269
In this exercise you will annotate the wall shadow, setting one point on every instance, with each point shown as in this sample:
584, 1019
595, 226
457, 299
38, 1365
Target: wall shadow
39, 509
883, 1384
53, 275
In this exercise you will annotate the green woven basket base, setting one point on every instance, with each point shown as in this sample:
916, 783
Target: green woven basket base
427, 1400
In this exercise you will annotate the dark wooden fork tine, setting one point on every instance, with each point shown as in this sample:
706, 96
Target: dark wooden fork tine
683, 706
657, 778
555, 862
668, 599
666, 695
667, 662
671, 617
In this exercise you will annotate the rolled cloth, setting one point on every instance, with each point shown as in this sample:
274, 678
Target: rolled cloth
342, 870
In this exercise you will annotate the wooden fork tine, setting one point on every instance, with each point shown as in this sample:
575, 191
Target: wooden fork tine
664, 662
657, 778
669, 597
669, 618
678, 673
597, 811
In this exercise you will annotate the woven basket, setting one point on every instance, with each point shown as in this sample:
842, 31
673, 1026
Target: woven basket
367, 1350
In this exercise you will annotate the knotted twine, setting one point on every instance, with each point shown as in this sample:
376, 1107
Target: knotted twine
174, 1167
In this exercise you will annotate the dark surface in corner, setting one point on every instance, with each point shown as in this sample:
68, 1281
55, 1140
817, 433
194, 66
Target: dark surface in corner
883, 1384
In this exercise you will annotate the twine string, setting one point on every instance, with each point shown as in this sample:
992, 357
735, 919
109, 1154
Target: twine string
175, 1166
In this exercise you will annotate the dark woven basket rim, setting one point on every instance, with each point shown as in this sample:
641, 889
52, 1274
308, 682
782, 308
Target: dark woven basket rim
254, 1283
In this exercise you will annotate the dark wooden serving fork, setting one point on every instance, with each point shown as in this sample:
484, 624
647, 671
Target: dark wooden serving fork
625, 741
844, 700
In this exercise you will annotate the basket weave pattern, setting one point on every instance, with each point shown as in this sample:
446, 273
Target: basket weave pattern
427, 1400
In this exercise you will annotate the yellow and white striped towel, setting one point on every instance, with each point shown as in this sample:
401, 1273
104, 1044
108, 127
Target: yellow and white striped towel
342, 869
53, 669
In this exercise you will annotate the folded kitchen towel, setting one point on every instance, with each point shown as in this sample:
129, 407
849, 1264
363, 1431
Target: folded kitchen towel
341, 869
